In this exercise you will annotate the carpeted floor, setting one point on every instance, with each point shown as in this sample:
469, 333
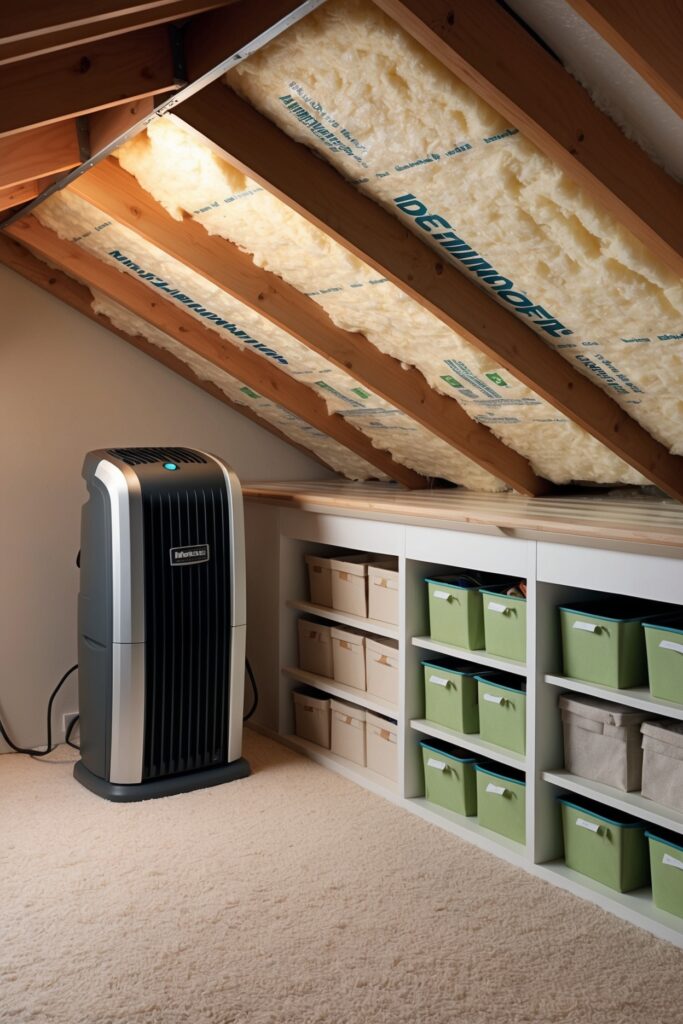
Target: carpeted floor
294, 897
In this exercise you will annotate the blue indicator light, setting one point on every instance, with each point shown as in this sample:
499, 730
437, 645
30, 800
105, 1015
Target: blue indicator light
170, 465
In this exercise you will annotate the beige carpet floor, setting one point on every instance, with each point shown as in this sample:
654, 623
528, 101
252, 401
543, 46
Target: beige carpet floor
293, 897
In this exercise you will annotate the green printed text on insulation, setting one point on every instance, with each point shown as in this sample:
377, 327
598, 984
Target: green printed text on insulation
476, 264
327, 137
196, 307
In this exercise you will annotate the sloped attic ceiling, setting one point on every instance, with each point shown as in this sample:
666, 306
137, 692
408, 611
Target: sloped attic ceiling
348, 82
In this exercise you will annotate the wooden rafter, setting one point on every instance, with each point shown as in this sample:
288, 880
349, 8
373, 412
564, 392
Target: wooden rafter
648, 36
14, 195
315, 190
37, 153
481, 43
55, 282
257, 372
118, 195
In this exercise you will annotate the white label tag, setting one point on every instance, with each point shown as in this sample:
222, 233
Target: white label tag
498, 790
441, 595
590, 825
587, 627
672, 861
494, 606
492, 699
439, 765
439, 680
670, 645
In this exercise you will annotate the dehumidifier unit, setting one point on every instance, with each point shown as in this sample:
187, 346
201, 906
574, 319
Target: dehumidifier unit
161, 623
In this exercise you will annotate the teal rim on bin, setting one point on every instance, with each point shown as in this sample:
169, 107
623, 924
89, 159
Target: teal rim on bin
456, 619
505, 634
502, 809
664, 649
666, 870
456, 706
617, 858
502, 721
454, 789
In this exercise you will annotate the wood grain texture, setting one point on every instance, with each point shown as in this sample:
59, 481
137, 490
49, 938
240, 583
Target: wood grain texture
39, 152
14, 195
117, 194
257, 372
318, 192
492, 53
648, 36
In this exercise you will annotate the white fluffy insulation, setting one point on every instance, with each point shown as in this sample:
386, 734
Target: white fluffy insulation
75, 219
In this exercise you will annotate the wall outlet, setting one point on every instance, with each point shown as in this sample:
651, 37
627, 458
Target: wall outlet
67, 719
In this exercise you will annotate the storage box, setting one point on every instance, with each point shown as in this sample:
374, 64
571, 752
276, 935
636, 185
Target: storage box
455, 610
315, 648
605, 844
502, 709
666, 869
348, 731
348, 657
451, 695
504, 623
602, 741
350, 581
501, 800
381, 745
663, 762
381, 668
450, 780
603, 641
383, 593
319, 580
312, 716
664, 647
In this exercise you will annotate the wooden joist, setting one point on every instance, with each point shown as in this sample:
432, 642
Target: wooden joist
39, 152
481, 43
257, 372
648, 36
55, 282
118, 195
315, 190
15, 195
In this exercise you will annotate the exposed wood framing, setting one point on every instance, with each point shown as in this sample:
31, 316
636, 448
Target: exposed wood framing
80, 79
258, 372
104, 126
648, 36
314, 189
481, 43
38, 152
16, 194
118, 195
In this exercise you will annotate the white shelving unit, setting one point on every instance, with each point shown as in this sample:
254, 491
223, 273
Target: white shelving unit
350, 693
470, 741
630, 803
638, 697
346, 618
426, 643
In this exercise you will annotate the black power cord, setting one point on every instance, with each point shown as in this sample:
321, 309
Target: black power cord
254, 687
50, 747
69, 730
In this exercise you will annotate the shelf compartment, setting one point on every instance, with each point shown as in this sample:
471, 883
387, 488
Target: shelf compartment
637, 697
470, 741
630, 803
357, 773
346, 618
359, 697
468, 828
477, 657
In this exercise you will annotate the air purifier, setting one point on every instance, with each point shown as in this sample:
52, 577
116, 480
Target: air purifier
161, 623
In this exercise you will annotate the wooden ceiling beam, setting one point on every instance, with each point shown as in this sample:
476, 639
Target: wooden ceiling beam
647, 36
313, 188
481, 43
118, 195
15, 257
15, 195
257, 372
38, 153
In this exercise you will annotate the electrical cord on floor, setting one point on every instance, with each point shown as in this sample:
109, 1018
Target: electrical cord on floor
50, 746
254, 687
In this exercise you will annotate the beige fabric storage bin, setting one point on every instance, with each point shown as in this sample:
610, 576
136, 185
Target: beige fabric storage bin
381, 668
315, 648
383, 593
350, 582
381, 745
312, 716
602, 741
663, 762
348, 731
319, 580
348, 657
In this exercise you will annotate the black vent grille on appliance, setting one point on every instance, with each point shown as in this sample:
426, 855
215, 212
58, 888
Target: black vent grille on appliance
187, 616
145, 456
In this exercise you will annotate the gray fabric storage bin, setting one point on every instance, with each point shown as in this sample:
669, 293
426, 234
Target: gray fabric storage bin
602, 741
663, 762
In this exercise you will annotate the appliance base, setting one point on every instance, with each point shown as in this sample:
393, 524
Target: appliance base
128, 793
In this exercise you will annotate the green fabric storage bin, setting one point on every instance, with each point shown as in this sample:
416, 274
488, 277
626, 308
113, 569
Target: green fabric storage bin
451, 695
504, 623
603, 641
605, 845
455, 611
502, 709
666, 869
501, 800
664, 647
450, 780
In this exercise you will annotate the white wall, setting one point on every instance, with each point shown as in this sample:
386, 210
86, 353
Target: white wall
68, 386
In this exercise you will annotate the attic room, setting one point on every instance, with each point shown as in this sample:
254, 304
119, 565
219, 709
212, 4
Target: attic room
342, 594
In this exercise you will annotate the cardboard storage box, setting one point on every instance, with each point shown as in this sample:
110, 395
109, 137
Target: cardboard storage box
319, 580
666, 869
501, 800
381, 745
603, 641
312, 716
664, 647
450, 779
383, 593
451, 695
350, 581
455, 611
315, 648
602, 741
663, 762
502, 709
348, 656
348, 731
605, 844
504, 623
381, 668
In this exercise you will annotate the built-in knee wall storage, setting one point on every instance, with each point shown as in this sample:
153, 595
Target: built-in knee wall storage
474, 739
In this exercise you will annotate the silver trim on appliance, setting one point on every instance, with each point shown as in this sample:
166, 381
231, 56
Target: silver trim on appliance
127, 713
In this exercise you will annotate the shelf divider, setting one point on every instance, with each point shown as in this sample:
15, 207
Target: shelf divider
630, 803
477, 657
470, 741
636, 697
346, 618
360, 697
